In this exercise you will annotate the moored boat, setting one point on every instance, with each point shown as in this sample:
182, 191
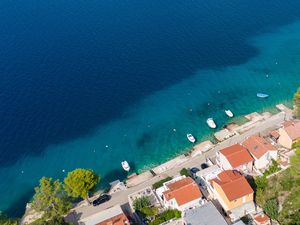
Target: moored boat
211, 123
229, 113
191, 138
262, 95
125, 165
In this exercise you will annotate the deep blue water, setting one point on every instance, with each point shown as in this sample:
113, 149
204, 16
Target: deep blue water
70, 67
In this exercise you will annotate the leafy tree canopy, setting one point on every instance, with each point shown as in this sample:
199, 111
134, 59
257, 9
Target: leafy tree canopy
50, 198
140, 203
53, 221
184, 172
297, 102
80, 182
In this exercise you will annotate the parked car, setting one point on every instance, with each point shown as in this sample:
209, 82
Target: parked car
204, 166
193, 171
101, 199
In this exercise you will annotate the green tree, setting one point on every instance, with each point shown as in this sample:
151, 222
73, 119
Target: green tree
297, 102
184, 172
50, 198
53, 221
261, 182
140, 203
271, 208
80, 182
149, 211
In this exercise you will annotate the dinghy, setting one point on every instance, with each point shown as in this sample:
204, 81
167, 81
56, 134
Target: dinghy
229, 113
125, 165
191, 138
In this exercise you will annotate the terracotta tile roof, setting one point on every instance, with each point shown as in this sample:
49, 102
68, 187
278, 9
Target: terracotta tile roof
233, 184
120, 219
236, 155
262, 219
258, 146
274, 134
184, 191
292, 128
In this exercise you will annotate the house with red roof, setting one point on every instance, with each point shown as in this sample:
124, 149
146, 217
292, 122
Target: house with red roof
261, 150
235, 157
110, 216
289, 134
180, 193
234, 193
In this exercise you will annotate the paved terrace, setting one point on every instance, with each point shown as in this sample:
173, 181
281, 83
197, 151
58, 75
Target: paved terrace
122, 196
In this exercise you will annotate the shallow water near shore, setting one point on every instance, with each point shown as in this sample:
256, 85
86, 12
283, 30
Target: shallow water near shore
153, 129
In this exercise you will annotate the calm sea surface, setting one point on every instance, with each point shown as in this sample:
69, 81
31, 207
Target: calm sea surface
91, 83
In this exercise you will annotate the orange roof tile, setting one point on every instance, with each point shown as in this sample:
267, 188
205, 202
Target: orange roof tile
120, 219
258, 146
292, 128
262, 219
274, 134
236, 155
233, 184
184, 191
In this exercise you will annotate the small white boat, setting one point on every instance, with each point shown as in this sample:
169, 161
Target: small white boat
211, 123
228, 113
262, 95
125, 165
191, 138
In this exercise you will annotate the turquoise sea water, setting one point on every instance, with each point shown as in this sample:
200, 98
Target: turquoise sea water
91, 83
144, 134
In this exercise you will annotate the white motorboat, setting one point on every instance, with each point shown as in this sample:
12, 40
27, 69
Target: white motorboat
228, 113
191, 138
211, 123
125, 165
262, 95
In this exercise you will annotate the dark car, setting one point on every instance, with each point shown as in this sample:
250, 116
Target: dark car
194, 170
204, 166
101, 199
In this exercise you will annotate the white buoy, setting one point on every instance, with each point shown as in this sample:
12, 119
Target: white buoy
106, 146
22, 171
174, 130
63, 171
276, 63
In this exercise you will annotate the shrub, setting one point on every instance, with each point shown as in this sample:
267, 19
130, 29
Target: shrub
271, 208
161, 182
296, 144
184, 172
261, 182
165, 216
170, 214
273, 168
148, 211
157, 221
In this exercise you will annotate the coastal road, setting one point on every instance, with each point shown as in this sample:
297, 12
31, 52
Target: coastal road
122, 196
